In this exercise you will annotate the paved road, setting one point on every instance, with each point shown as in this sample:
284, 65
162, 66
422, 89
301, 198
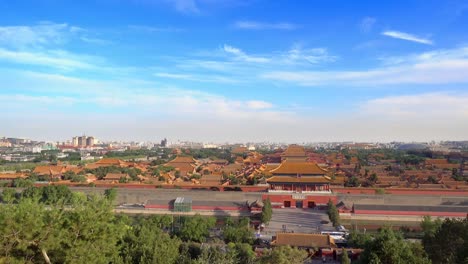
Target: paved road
298, 220
133, 195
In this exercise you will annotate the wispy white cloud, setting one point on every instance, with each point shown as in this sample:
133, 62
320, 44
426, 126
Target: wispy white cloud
173, 75
97, 41
240, 55
58, 59
259, 104
415, 106
396, 117
435, 67
367, 24
129, 95
197, 77
43, 33
407, 36
40, 99
154, 29
256, 25
298, 54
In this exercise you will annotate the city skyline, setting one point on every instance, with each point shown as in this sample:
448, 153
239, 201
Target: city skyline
235, 71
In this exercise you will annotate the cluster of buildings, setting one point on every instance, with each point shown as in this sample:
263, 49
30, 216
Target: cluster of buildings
83, 141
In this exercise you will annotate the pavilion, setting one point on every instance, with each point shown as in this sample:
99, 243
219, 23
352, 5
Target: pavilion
297, 182
299, 177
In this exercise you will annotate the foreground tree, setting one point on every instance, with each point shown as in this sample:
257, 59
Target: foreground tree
111, 194
447, 242
345, 258
8, 195
267, 211
243, 252
430, 227
216, 255
284, 255
196, 228
81, 232
146, 243
389, 247
333, 213
239, 232
358, 240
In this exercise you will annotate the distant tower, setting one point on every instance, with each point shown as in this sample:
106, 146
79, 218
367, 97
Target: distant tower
90, 141
75, 141
164, 143
82, 141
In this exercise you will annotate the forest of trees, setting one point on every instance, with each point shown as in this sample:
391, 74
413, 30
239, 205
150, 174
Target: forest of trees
52, 224
444, 242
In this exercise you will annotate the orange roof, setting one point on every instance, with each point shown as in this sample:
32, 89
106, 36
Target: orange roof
183, 164
219, 161
304, 240
107, 162
239, 160
270, 166
182, 159
338, 180
115, 176
298, 168
294, 151
436, 161
211, 179
231, 168
240, 150
184, 168
11, 176
49, 170
449, 166
293, 179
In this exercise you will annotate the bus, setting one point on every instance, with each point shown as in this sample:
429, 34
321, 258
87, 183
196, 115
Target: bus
336, 235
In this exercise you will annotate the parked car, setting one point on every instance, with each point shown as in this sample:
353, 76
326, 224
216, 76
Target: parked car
341, 228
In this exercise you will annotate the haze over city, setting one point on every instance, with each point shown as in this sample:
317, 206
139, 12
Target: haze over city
247, 70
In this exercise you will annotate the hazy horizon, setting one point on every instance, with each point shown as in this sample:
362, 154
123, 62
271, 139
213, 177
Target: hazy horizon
234, 70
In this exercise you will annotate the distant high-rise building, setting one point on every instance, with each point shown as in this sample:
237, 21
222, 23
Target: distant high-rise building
82, 141
164, 143
90, 141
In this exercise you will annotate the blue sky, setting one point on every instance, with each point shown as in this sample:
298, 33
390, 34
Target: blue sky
234, 70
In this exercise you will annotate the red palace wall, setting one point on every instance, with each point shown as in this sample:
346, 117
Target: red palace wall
344, 190
317, 199
201, 207
413, 213
401, 191
157, 206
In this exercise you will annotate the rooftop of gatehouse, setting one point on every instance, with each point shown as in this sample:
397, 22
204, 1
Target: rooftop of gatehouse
298, 168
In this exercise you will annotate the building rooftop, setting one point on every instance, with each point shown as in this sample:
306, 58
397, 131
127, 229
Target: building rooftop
300, 168
304, 240
294, 179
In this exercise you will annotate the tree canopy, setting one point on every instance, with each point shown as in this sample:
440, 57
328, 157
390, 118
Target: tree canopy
447, 241
333, 213
196, 228
389, 247
267, 211
284, 255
